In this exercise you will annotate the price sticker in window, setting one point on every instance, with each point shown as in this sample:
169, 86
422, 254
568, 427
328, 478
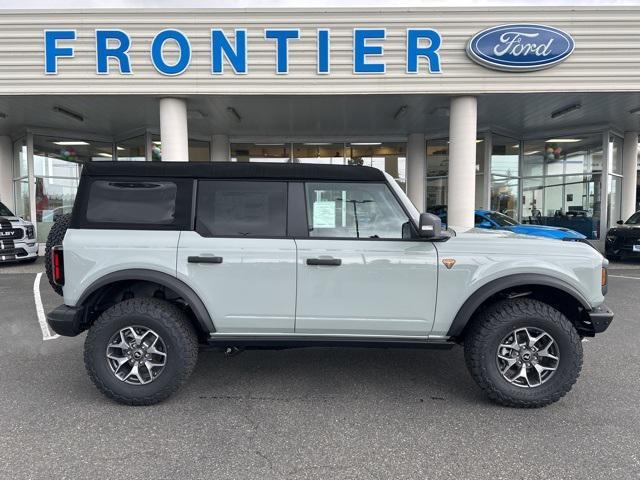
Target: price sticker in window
324, 214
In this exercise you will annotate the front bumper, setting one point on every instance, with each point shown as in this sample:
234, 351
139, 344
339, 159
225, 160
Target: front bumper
18, 251
600, 318
67, 321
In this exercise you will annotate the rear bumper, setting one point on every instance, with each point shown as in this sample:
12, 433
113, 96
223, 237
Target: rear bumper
600, 318
67, 321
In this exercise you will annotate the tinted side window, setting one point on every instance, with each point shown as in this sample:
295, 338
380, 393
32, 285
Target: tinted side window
241, 208
354, 210
132, 202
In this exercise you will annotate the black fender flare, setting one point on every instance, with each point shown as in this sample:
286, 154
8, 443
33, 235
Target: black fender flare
486, 291
185, 291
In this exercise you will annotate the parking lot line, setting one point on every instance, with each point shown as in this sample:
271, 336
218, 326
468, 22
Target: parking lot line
42, 320
625, 276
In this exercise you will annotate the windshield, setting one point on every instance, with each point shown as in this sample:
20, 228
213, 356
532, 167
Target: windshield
502, 220
4, 211
634, 219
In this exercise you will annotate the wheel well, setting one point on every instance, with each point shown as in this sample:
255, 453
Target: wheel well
110, 294
559, 299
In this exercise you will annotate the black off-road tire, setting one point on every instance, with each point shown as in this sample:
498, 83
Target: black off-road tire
491, 326
166, 320
55, 237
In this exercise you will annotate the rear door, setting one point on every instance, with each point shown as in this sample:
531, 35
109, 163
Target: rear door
239, 259
359, 270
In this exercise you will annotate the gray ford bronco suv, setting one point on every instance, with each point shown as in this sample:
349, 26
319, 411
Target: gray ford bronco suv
160, 258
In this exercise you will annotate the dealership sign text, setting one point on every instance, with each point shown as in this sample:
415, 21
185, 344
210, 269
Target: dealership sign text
112, 50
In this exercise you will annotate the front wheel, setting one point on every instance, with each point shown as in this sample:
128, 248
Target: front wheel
523, 353
140, 351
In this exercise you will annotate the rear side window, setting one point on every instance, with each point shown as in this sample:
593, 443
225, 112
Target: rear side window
137, 203
241, 208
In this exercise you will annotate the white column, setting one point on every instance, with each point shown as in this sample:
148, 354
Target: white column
416, 169
463, 119
6, 171
173, 130
629, 174
219, 148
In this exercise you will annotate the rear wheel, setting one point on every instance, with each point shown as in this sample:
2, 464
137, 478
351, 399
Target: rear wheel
140, 351
523, 353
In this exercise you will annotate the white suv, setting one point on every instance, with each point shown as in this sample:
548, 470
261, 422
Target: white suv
160, 257
17, 238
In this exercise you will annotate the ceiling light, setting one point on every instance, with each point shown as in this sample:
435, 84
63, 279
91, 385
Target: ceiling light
480, 140
363, 144
568, 109
71, 142
68, 113
401, 112
157, 143
563, 140
269, 144
120, 148
106, 155
317, 144
235, 113
532, 152
517, 145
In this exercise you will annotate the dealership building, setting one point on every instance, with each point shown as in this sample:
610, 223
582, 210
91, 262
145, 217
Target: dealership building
530, 111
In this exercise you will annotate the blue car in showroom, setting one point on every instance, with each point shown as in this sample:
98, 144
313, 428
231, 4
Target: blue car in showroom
498, 221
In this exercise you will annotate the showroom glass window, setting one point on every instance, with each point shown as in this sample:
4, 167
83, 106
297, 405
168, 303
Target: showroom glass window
198, 150
561, 182
390, 157
21, 179
319, 152
614, 203
354, 210
132, 149
438, 173
505, 172
261, 152
56, 163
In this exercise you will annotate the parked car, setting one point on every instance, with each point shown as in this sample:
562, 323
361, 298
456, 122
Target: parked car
159, 258
498, 221
624, 240
17, 238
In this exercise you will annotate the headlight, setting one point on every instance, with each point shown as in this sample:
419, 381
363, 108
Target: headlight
31, 232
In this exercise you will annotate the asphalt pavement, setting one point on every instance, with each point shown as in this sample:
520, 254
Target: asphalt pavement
313, 413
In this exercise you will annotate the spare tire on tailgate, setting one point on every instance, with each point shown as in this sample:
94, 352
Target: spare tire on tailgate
55, 237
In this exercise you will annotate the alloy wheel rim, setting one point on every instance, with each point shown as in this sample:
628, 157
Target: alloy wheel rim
136, 355
528, 357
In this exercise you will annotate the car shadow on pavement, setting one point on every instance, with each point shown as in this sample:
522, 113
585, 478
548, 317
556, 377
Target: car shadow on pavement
398, 374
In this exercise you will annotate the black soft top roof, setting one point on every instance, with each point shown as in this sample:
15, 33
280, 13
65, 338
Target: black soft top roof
271, 171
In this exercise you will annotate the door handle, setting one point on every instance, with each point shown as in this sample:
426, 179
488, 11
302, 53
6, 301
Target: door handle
333, 262
204, 259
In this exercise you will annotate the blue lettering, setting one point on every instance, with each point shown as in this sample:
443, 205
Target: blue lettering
430, 52
220, 46
361, 50
51, 50
323, 51
282, 37
157, 46
104, 51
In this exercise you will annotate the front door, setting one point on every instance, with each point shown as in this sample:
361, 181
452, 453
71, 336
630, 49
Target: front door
238, 259
359, 270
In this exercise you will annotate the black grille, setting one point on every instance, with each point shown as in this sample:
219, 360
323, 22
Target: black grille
11, 234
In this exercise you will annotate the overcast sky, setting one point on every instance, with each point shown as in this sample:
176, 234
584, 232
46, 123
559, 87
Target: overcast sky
83, 4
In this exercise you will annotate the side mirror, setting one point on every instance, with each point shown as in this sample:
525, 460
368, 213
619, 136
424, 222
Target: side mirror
485, 224
620, 222
430, 225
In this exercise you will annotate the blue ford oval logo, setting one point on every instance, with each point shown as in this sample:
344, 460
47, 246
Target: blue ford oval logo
520, 47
